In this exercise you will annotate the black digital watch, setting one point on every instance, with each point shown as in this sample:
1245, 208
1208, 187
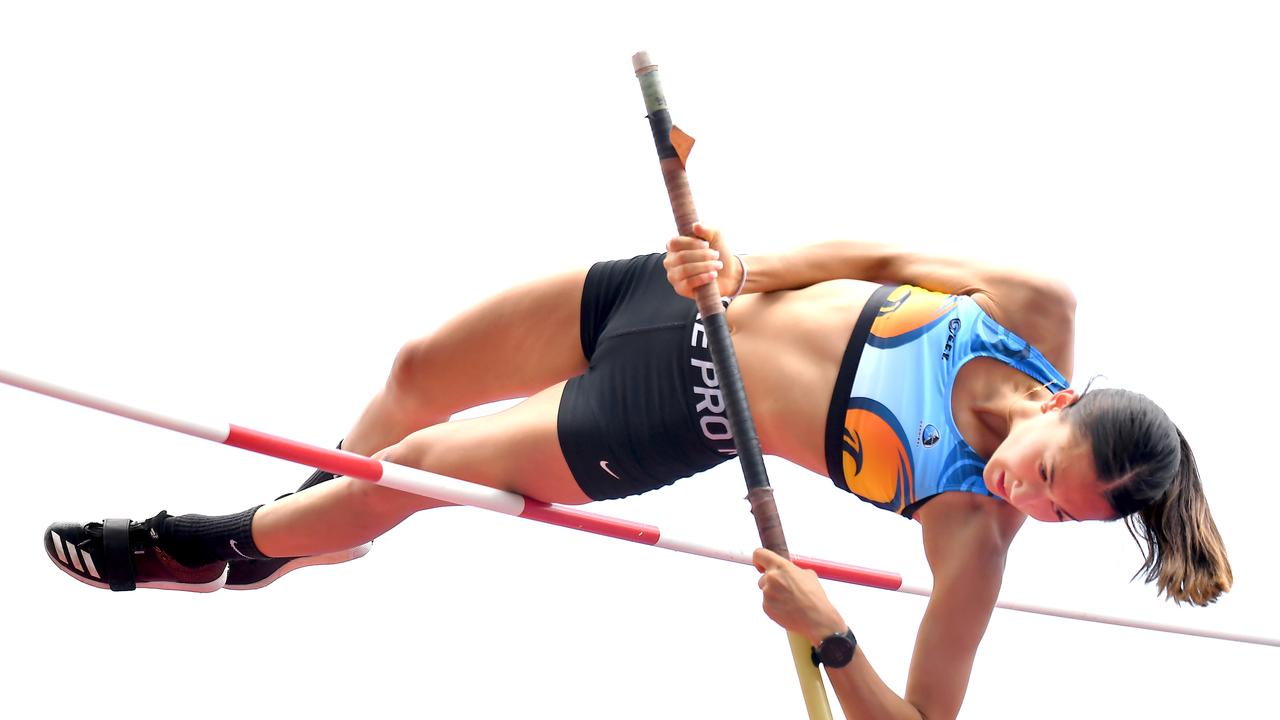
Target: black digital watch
836, 650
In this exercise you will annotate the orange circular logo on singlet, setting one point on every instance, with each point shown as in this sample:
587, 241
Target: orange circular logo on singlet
910, 308
877, 464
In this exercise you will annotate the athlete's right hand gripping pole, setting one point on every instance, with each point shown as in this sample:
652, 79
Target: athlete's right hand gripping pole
726, 368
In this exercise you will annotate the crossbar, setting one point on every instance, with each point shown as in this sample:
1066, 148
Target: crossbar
460, 492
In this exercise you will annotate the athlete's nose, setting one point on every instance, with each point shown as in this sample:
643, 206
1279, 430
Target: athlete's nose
1024, 490
1031, 496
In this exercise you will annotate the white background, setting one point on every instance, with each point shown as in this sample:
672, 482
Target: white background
240, 211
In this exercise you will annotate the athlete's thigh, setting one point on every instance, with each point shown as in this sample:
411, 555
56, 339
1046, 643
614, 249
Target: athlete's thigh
517, 450
515, 343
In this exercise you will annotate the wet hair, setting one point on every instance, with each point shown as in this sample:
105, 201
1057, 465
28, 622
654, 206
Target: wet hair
1150, 478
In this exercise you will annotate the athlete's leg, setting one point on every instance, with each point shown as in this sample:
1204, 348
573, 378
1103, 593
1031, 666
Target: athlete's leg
516, 450
512, 345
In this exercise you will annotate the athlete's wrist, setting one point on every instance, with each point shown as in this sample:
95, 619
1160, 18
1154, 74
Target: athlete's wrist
741, 283
822, 627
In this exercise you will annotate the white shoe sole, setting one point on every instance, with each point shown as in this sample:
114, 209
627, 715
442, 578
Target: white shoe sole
152, 585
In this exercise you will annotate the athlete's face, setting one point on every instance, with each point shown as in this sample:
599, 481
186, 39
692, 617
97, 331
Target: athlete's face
1045, 469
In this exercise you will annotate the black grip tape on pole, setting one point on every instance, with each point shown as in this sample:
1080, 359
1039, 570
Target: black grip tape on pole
745, 438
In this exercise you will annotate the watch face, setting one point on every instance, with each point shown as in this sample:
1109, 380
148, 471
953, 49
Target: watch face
836, 651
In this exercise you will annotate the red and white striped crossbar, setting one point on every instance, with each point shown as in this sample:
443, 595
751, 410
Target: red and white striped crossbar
460, 492
436, 486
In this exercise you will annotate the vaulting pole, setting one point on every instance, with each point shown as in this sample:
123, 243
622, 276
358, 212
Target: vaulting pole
745, 440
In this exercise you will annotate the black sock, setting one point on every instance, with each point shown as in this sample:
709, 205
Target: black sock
196, 540
317, 477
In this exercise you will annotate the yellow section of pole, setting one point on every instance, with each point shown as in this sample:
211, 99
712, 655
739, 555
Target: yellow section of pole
815, 691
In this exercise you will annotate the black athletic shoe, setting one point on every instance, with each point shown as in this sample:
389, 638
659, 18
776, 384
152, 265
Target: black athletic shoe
123, 555
253, 574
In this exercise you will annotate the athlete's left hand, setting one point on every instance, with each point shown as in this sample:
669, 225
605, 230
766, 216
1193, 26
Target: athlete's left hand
794, 598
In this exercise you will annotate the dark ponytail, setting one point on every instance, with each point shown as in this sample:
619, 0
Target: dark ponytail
1150, 478
1184, 554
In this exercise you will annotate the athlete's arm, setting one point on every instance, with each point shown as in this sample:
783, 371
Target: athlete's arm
965, 545
1010, 290
689, 265
1039, 308
794, 599
966, 541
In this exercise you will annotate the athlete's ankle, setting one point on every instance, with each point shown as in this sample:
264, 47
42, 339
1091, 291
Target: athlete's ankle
196, 540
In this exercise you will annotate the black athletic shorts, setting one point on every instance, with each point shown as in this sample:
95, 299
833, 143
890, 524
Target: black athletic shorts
648, 411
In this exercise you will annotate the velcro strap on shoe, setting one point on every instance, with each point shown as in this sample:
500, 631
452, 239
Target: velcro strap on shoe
118, 554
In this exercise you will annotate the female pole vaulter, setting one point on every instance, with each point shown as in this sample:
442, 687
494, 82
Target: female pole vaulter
934, 388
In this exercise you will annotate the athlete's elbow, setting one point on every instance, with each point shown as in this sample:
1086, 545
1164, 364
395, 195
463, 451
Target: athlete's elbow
1062, 295
871, 261
929, 714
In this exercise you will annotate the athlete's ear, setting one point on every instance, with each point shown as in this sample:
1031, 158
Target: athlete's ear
1059, 401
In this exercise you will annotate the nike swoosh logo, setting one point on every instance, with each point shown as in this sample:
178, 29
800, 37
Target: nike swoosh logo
233, 547
604, 464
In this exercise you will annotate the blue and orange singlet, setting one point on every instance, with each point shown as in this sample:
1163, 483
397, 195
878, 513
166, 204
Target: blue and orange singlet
891, 438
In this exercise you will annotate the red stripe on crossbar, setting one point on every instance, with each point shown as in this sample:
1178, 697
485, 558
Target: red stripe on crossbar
335, 461
578, 520
850, 573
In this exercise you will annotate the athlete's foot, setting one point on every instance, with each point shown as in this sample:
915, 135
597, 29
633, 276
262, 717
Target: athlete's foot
123, 555
254, 574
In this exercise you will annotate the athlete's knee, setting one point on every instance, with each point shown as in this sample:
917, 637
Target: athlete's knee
410, 453
374, 500
360, 497
437, 450
418, 385
412, 366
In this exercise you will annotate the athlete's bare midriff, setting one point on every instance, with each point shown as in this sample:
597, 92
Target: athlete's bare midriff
789, 345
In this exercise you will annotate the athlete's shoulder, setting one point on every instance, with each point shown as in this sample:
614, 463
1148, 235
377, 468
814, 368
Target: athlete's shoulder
1033, 305
1047, 322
